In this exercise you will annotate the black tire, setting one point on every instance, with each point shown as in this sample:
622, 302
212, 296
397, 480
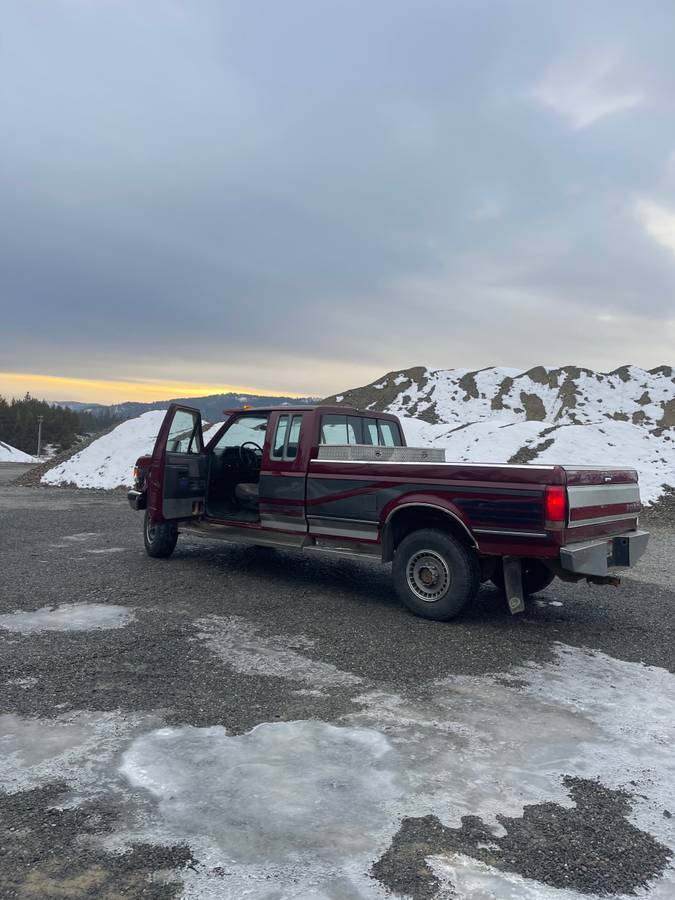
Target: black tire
536, 576
433, 563
160, 540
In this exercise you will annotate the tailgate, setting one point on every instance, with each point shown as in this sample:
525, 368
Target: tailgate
602, 501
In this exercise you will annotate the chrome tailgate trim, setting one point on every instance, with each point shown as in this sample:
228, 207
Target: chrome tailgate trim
602, 494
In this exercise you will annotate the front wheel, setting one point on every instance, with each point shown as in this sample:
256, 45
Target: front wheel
434, 574
159, 538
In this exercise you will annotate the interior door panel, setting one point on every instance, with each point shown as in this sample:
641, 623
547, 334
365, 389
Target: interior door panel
184, 485
181, 464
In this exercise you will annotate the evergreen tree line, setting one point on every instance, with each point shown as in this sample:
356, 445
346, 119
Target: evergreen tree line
61, 427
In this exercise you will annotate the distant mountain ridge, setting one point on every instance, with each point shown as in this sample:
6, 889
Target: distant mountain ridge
210, 406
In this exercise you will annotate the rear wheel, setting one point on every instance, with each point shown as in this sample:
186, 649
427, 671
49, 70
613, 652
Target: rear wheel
160, 538
434, 574
536, 576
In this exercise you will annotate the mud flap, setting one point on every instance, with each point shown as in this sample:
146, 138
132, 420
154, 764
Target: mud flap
513, 584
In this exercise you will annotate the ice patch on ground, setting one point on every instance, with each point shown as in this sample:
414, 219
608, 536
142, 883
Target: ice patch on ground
68, 617
303, 809
79, 748
465, 878
471, 879
241, 645
25, 683
261, 799
310, 806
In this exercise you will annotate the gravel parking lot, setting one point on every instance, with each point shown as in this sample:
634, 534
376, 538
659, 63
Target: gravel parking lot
246, 722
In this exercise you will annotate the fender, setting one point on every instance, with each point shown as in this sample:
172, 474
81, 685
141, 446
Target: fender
428, 501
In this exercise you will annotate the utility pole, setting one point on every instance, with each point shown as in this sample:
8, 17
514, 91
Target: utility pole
39, 419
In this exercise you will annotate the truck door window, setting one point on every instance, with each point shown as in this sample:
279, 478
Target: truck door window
389, 433
184, 434
280, 437
336, 430
293, 437
242, 429
354, 429
370, 435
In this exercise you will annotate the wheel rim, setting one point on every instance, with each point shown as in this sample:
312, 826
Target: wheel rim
428, 575
150, 531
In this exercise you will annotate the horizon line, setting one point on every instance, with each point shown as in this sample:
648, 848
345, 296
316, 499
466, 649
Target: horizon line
108, 390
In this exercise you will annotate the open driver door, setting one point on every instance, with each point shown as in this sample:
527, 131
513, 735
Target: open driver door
178, 471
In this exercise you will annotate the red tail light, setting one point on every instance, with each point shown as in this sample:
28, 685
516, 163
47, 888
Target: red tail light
555, 506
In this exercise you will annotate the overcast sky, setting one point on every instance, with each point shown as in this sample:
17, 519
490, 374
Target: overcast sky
300, 195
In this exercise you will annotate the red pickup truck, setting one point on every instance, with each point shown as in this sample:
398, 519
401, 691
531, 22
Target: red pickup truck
328, 478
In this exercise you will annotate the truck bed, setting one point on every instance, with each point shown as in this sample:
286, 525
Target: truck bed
498, 503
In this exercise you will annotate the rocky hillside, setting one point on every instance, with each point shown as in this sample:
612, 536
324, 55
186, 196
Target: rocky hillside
565, 415
565, 396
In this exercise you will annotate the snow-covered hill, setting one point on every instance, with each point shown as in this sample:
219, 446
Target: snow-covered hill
11, 454
108, 462
567, 395
563, 415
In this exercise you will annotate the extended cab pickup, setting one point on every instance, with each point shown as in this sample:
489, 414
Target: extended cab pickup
328, 478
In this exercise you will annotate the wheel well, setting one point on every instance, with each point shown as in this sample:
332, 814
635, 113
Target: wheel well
412, 518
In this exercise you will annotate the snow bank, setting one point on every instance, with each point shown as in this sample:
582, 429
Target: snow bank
486, 442
621, 444
108, 462
11, 454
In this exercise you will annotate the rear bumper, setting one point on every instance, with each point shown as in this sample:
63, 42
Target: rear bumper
597, 556
137, 499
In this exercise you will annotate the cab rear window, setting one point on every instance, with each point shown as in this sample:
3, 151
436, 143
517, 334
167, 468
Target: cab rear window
340, 430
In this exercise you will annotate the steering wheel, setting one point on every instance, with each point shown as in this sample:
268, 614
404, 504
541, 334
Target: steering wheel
250, 459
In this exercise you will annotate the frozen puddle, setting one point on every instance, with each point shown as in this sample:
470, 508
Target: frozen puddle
79, 748
68, 617
310, 807
246, 650
469, 879
279, 793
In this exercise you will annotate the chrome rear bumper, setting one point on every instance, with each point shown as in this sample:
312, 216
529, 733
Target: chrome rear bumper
597, 556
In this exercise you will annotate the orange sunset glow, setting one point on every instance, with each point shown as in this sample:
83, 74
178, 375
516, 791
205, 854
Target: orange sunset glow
95, 390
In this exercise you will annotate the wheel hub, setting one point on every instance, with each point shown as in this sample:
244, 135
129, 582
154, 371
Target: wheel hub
428, 576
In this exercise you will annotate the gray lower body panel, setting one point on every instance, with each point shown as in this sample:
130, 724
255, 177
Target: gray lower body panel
596, 557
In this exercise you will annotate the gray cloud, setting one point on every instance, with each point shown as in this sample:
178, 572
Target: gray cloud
300, 195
